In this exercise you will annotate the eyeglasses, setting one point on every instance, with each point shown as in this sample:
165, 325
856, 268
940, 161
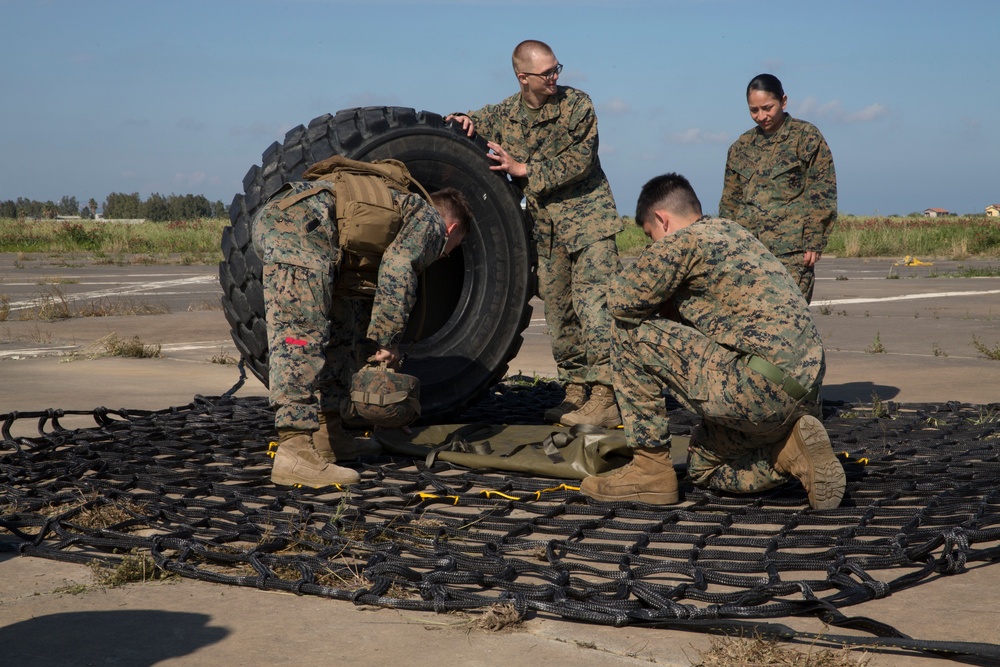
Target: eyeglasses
547, 74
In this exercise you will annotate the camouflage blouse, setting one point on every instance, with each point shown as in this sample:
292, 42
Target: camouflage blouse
722, 282
567, 193
306, 235
783, 187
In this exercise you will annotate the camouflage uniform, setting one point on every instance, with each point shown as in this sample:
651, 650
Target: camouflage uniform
315, 330
783, 188
575, 221
687, 316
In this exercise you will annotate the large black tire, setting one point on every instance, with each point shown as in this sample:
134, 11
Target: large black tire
473, 306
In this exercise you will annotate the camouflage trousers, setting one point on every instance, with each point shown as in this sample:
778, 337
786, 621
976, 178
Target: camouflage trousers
743, 413
804, 276
316, 342
574, 287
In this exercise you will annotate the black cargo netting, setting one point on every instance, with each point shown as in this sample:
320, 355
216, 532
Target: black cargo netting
189, 486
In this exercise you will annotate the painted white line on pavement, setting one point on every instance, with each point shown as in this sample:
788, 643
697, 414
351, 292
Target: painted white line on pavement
903, 297
135, 289
39, 352
63, 350
181, 347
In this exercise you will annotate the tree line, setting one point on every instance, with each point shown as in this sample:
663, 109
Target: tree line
118, 206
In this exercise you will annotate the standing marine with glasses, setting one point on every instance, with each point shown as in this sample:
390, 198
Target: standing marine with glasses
545, 138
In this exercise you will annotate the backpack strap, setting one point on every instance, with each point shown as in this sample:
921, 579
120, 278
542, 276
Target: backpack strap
292, 199
390, 169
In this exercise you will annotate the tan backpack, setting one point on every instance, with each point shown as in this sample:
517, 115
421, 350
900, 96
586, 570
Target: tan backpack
368, 218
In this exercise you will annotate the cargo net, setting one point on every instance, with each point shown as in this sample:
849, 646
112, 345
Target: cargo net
189, 488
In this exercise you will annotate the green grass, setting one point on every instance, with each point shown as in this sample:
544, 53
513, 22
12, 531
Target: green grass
198, 241
953, 238
947, 238
105, 238
632, 240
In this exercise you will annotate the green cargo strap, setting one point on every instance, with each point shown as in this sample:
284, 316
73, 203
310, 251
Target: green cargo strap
559, 439
788, 384
456, 442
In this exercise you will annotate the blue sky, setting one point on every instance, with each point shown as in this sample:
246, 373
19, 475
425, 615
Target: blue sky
183, 97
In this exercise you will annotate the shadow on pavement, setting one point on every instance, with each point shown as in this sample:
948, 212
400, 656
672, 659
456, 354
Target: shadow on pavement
139, 637
859, 392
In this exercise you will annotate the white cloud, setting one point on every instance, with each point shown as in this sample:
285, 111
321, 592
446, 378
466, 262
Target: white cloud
697, 135
835, 112
616, 106
868, 114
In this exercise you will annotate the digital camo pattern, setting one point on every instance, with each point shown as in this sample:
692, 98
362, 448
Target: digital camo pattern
566, 191
804, 276
303, 234
687, 314
574, 288
317, 339
419, 243
574, 221
783, 188
383, 397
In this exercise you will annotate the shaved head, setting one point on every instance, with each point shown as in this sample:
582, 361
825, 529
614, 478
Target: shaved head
525, 52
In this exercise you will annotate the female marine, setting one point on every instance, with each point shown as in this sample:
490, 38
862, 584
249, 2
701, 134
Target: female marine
780, 183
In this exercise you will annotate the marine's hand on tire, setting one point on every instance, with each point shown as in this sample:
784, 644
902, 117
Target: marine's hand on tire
504, 162
464, 121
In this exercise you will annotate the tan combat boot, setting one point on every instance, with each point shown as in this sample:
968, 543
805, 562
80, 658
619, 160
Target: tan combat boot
808, 455
298, 463
576, 396
335, 444
649, 478
601, 410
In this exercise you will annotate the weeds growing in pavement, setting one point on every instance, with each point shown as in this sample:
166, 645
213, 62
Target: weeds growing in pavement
50, 305
224, 359
114, 346
985, 350
123, 305
876, 347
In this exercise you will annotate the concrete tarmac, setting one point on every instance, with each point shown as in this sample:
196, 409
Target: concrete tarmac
921, 337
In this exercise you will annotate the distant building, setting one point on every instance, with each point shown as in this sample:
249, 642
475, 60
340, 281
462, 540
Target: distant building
935, 212
993, 210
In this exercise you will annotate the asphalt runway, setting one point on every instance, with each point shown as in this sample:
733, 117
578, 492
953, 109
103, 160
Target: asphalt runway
901, 333
925, 323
